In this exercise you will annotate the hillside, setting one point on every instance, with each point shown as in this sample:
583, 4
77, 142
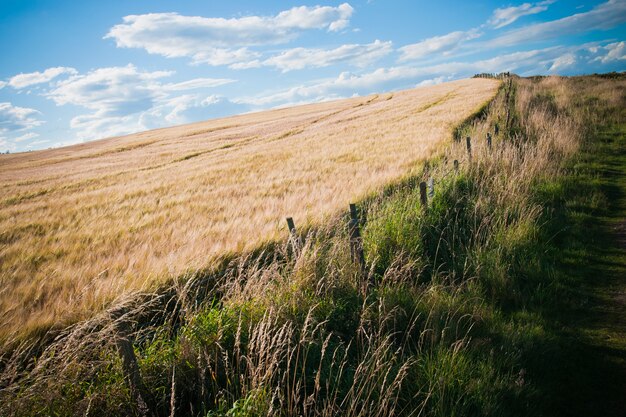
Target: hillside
499, 293
82, 225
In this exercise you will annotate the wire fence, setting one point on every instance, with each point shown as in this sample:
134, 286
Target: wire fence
296, 241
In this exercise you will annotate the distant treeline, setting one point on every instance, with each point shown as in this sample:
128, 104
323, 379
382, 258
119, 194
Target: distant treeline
493, 75
611, 75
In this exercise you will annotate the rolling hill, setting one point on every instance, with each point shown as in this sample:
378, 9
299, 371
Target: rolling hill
83, 224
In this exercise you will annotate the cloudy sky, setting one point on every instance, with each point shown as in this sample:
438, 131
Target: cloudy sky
73, 71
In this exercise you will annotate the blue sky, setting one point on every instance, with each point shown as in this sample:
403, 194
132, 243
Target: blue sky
74, 71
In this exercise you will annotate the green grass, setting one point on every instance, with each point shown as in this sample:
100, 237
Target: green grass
586, 372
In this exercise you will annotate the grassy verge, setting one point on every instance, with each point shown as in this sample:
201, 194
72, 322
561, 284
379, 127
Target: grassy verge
471, 307
585, 372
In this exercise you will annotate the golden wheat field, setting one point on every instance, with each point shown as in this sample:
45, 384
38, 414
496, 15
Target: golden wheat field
84, 224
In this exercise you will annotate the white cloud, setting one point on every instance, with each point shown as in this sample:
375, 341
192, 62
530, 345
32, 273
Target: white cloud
303, 17
32, 78
299, 58
219, 41
431, 82
3, 84
6, 145
26, 136
601, 17
125, 100
176, 110
436, 45
190, 107
111, 91
505, 16
382, 79
198, 83
99, 125
223, 56
611, 52
14, 118
345, 85
563, 62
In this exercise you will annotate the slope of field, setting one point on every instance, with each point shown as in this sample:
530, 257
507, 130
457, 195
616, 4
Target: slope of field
83, 224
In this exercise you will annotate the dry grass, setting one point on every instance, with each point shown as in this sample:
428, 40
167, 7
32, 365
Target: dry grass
84, 224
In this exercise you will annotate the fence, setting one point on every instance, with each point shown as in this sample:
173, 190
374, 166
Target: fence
427, 193
427, 190
498, 76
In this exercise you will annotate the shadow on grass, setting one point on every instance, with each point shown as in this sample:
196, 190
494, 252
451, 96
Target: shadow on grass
581, 371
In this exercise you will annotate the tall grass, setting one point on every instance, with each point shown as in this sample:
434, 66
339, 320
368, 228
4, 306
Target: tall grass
442, 323
80, 226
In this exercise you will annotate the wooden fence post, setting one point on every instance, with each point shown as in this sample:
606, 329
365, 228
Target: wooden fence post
468, 142
508, 105
296, 242
489, 140
130, 367
456, 166
356, 242
431, 187
423, 198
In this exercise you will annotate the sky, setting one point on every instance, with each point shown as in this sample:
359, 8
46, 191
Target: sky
73, 71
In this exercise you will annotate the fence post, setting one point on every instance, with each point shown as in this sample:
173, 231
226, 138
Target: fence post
356, 242
423, 198
431, 187
489, 140
456, 166
130, 367
293, 236
468, 142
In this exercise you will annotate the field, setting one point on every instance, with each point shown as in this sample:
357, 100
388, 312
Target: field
500, 295
82, 225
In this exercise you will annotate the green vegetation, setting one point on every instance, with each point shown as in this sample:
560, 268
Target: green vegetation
586, 371
477, 305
